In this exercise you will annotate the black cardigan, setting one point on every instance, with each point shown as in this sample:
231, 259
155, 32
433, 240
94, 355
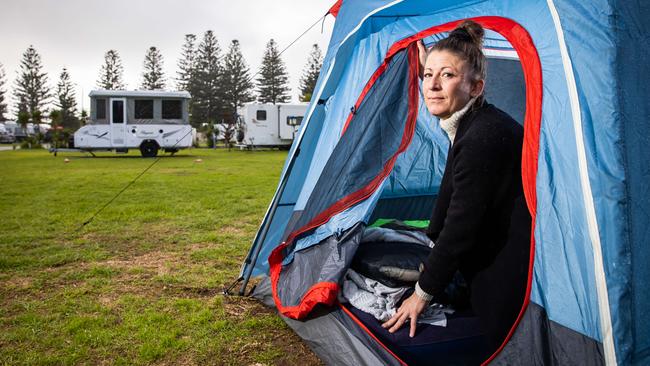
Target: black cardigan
480, 223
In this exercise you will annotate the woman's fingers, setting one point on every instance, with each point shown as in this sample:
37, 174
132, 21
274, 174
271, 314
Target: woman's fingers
410, 309
402, 319
389, 323
396, 321
414, 324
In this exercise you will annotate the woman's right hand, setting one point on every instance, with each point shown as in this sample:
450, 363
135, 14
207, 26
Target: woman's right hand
410, 310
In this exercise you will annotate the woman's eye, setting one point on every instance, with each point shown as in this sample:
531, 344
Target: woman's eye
447, 75
428, 74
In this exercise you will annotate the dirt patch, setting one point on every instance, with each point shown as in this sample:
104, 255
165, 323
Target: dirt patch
192, 292
12, 289
294, 351
137, 240
184, 360
137, 275
17, 283
106, 301
290, 348
238, 307
199, 246
157, 261
233, 230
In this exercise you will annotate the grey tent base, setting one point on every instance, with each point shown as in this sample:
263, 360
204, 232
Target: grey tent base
332, 335
338, 340
541, 341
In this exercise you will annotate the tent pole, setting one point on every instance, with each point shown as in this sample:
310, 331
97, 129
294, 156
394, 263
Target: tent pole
267, 224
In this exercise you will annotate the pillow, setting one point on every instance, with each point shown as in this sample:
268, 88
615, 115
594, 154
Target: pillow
394, 264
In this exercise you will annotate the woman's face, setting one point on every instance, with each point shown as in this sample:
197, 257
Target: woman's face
448, 84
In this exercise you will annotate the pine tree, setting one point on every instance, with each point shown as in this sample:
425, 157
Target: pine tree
23, 114
310, 73
153, 76
272, 84
110, 75
37, 117
237, 89
56, 118
236, 81
186, 79
84, 117
186, 64
66, 101
31, 88
207, 96
3, 105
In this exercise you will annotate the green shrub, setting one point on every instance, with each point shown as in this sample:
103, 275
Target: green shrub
31, 142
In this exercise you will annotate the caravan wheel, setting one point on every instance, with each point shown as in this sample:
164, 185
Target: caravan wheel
149, 149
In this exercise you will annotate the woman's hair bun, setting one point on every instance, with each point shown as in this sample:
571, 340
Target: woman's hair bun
466, 41
470, 31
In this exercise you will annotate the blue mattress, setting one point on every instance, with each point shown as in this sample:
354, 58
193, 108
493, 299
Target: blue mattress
461, 342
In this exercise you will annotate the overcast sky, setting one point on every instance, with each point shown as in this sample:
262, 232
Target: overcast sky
76, 34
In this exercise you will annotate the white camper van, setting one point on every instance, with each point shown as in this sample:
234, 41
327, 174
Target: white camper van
142, 119
268, 125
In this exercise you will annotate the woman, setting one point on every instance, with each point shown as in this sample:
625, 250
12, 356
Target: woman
480, 224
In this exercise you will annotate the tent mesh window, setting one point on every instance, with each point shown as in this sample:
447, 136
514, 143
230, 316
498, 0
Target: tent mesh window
373, 136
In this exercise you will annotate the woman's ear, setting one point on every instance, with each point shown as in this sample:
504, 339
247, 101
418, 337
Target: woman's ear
477, 88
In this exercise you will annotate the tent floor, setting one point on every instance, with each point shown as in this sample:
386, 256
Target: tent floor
459, 343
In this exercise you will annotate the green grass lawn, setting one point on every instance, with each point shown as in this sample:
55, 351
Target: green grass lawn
141, 284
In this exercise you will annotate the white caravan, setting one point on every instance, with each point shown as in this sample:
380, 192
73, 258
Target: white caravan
6, 135
19, 132
268, 125
146, 120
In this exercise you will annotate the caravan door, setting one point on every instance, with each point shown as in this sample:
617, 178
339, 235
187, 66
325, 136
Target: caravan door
118, 121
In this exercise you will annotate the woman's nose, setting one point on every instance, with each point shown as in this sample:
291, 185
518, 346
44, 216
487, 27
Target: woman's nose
432, 83
435, 83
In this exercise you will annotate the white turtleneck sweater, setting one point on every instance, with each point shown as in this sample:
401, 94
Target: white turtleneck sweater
450, 124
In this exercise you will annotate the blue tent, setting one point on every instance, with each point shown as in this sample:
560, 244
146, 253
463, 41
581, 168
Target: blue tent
575, 74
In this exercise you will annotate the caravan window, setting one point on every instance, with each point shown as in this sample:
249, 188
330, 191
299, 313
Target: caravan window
143, 109
294, 120
118, 111
100, 108
261, 115
171, 109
